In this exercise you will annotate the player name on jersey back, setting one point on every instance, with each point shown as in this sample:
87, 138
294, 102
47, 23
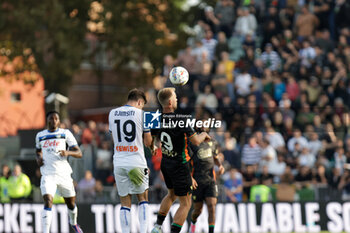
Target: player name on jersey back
124, 113
126, 125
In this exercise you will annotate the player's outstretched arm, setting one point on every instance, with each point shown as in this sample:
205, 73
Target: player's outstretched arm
39, 157
199, 138
73, 151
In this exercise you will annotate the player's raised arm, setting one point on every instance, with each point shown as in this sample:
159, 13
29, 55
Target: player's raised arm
197, 139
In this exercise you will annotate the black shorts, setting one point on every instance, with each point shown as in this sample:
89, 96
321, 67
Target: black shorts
209, 189
177, 176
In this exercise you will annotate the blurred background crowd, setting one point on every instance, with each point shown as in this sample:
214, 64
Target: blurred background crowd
277, 74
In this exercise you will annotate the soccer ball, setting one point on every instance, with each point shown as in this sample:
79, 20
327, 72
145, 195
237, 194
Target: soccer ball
178, 76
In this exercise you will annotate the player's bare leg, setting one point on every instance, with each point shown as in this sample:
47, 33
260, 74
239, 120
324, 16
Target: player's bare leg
73, 213
181, 213
211, 204
164, 208
125, 213
46, 214
197, 210
143, 211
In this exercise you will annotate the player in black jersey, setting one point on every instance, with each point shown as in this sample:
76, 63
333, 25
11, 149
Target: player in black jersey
205, 156
174, 165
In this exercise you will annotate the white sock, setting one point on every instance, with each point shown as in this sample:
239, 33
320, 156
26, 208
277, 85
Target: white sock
143, 216
46, 217
73, 215
125, 219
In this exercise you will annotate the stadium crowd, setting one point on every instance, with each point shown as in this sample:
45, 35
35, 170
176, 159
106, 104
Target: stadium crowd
277, 74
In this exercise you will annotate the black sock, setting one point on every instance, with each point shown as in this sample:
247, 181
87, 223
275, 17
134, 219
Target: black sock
211, 228
160, 219
175, 228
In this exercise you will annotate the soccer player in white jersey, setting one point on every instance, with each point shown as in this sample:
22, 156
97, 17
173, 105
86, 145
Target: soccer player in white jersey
56, 172
130, 167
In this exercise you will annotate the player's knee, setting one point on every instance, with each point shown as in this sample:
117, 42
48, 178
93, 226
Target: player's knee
185, 202
171, 196
211, 207
197, 211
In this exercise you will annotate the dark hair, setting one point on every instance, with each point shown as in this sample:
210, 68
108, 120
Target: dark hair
136, 94
51, 112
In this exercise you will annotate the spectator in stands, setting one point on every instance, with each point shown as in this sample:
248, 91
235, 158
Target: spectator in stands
225, 13
279, 89
86, 187
329, 141
234, 186
268, 155
270, 58
90, 134
103, 161
306, 158
229, 70
4, 183
266, 178
221, 46
304, 177
307, 54
207, 100
251, 152
229, 151
278, 168
219, 82
243, 82
209, 18
249, 180
187, 60
203, 79
209, 43
315, 145
77, 132
246, 23
275, 139
306, 23
292, 88
19, 185
339, 159
344, 185
320, 177
297, 138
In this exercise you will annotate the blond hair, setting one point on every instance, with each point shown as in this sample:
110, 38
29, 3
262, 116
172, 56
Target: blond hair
164, 95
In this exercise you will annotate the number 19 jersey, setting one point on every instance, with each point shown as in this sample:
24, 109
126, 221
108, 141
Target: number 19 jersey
126, 125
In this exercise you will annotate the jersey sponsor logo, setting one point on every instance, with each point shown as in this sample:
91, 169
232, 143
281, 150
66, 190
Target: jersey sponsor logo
126, 148
51, 143
152, 120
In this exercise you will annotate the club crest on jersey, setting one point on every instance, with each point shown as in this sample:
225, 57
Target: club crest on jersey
151, 120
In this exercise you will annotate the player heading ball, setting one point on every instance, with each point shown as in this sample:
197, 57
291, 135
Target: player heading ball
130, 166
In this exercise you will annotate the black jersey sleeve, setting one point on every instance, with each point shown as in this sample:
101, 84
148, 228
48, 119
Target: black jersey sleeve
189, 131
